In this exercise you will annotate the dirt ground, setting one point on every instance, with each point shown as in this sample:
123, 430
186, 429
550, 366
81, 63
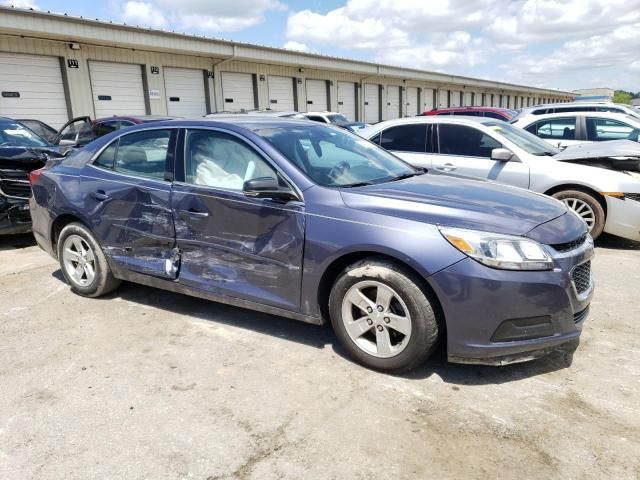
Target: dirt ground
146, 384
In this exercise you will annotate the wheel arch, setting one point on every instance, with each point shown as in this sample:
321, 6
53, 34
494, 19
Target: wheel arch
582, 188
337, 265
59, 223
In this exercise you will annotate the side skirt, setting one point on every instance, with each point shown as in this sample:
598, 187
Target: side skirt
175, 286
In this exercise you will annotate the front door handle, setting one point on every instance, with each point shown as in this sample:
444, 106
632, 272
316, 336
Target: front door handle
447, 167
100, 196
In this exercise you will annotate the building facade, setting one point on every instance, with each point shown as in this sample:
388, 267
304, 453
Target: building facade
55, 67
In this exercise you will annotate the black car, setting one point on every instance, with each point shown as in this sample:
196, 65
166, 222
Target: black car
21, 151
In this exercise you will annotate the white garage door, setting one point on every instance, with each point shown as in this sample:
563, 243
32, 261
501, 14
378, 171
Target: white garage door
317, 99
237, 92
32, 87
371, 103
393, 101
467, 99
347, 99
117, 89
477, 99
455, 98
427, 99
412, 102
281, 93
184, 89
443, 98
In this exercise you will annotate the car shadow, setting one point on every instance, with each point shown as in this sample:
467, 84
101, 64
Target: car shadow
321, 337
616, 243
12, 242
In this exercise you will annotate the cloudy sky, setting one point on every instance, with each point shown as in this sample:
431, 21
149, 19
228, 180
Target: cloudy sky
552, 43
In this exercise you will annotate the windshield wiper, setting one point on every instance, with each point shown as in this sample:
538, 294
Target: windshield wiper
419, 171
357, 184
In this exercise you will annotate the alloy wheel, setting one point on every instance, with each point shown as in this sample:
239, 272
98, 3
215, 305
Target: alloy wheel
79, 260
583, 209
376, 319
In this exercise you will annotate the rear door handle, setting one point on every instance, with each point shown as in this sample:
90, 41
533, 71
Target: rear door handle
447, 167
194, 213
100, 196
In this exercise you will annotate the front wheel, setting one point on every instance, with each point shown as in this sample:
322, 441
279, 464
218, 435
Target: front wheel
83, 263
382, 317
587, 207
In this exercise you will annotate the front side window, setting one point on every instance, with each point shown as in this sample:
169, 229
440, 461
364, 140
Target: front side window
334, 157
602, 129
143, 153
555, 129
465, 141
219, 160
405, 138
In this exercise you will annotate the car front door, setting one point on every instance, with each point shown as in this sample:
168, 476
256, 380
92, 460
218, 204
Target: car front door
467, 151
230, 243
127, 193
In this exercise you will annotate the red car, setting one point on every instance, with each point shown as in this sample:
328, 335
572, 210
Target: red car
504, 114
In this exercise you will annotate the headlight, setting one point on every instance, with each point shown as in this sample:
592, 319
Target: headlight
507, 252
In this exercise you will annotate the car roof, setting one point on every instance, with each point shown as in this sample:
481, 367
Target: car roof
135, 118
456, 119
471, 109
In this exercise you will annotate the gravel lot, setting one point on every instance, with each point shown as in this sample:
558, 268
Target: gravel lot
147, 384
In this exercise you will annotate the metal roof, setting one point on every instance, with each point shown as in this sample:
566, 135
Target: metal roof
65, 27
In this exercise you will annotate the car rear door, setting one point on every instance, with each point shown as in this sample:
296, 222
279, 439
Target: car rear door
411, 142
126, 192
232, 244
466, 150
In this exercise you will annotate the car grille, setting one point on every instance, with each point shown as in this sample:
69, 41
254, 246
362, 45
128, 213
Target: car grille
581, 276
15, 184
632, 196
565, 247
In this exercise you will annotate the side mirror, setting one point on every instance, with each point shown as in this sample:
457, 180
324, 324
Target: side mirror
503, 155
67, 143
268, 187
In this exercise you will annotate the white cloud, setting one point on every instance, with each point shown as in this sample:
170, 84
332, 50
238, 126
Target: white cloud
300, 47
20, 4
207, 16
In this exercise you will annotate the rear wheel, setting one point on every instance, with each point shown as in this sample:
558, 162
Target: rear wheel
587, 207
382, 317
83, 263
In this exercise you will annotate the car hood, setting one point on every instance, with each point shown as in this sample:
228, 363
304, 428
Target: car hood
26, 158
459, 202
613, 148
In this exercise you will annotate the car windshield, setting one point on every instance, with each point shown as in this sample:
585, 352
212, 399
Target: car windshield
334, 157
337, 118
15, 135
523, 139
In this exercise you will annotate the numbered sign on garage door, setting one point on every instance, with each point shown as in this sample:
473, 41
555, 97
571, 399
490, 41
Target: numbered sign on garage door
371, 103
412, 102
117, 89
281, 96
347, 99
393, 101
184, 89
317, 95
237, 92
32, 87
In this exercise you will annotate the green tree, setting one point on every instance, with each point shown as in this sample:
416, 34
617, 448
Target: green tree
622, 97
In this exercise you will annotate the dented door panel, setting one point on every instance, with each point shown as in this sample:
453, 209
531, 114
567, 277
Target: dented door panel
132, 219
239, 246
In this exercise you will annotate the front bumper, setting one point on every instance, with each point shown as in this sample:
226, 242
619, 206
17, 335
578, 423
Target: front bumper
495, 317
14, 215
623, 218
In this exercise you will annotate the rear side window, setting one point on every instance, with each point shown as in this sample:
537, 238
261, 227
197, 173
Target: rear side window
143, 153
574, 109
405, 138
557, 128
602, 129
465, 141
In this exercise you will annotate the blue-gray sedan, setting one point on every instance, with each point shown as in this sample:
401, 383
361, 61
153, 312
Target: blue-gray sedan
315, 223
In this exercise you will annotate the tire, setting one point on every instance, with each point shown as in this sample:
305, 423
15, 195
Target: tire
377, 342
585, 205
76, 267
